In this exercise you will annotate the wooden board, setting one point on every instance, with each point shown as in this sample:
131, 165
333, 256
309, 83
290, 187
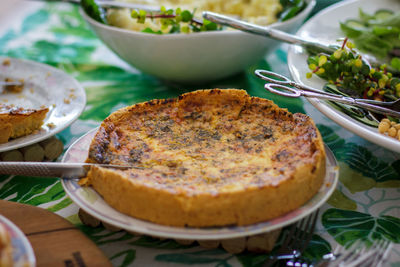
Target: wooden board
55, 241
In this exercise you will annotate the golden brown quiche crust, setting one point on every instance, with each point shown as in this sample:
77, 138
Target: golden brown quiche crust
210, 157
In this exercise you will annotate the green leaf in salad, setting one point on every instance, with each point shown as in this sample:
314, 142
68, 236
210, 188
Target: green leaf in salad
149, 30
175, 21
377, 33
93, 10
383, 14
372, 43
291, 8
364, 17
385, 30
210, 26
186, 16
395, 63
352, 28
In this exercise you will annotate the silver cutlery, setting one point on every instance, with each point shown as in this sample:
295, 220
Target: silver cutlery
281, 85
310, 45
358, 255
54, 169
296, 241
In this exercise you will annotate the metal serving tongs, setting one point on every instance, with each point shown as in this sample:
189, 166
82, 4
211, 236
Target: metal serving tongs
309, 45
281, 85
54, 169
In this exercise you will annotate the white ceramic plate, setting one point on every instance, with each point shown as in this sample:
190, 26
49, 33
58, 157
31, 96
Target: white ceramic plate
87, 199
23, 255
43, 86
325, 28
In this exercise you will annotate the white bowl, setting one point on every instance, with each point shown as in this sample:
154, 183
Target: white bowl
192, 58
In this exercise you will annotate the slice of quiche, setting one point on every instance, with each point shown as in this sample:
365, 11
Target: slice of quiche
16, 121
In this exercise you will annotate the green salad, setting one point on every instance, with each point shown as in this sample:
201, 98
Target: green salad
349, 74
378, 34
181, 20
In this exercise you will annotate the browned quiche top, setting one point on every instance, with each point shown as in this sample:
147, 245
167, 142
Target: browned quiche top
208, 142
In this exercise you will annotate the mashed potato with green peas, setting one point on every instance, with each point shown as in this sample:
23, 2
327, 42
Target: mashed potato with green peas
261, 12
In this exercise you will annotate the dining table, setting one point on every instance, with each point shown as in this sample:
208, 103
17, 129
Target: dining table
364, 206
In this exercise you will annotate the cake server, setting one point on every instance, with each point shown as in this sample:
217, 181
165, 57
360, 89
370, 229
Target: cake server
53, 169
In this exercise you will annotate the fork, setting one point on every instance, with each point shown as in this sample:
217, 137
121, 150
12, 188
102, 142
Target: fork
358, 255
296, 241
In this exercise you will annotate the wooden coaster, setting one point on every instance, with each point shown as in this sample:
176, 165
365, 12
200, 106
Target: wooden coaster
55, 241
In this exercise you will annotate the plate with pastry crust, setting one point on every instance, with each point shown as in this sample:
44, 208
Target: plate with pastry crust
45, 102
227, 190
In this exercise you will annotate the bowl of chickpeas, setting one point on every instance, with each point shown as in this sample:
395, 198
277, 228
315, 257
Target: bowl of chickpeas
180, 47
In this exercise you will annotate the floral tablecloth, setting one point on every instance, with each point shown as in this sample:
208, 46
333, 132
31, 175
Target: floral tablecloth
365, 205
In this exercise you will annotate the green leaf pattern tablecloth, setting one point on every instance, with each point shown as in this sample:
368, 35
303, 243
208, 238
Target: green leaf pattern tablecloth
366, 204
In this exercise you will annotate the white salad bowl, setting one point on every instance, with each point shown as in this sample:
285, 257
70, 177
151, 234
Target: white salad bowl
196, 57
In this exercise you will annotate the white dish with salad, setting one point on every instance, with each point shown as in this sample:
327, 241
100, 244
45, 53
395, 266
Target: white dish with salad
184, 51
326, 28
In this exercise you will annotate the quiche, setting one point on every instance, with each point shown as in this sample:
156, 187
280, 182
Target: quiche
17, 121
208, 158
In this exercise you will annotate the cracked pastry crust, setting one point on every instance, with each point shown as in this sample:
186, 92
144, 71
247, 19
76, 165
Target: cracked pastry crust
16, 121
210, 158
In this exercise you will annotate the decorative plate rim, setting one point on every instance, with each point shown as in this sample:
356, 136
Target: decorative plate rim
28, 258
128, 223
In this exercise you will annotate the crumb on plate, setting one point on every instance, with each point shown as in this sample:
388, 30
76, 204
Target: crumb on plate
6, 62
13, 88
51, 125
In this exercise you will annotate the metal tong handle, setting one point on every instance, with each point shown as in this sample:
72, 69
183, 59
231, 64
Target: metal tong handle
43, 169
281, 85
50, 169
265, 31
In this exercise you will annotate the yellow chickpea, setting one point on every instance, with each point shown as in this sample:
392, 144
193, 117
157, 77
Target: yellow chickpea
397, 126
392, 132
383, 126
